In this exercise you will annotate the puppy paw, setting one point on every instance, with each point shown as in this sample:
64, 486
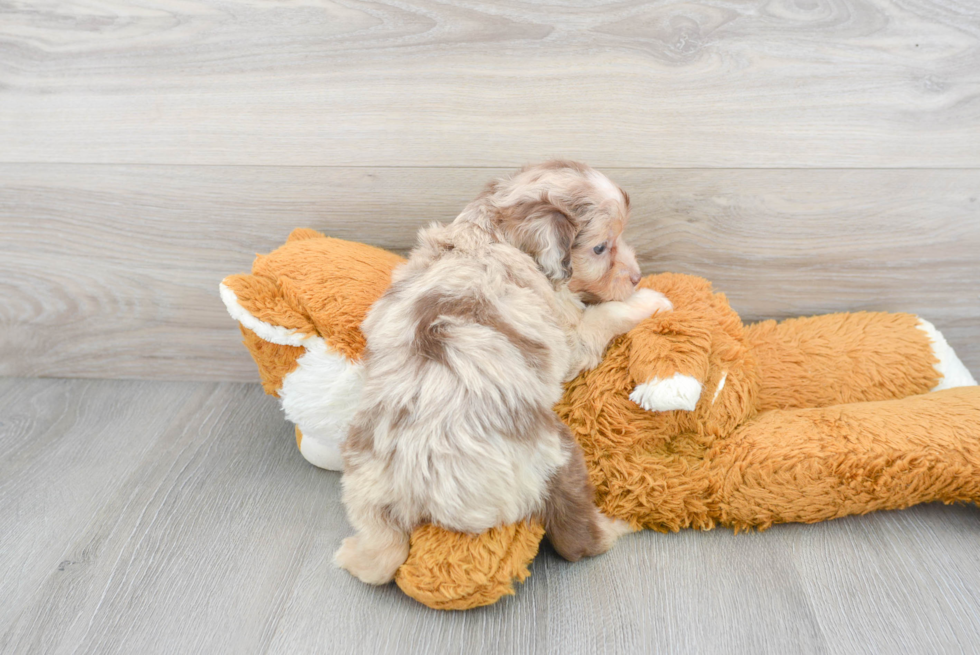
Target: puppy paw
611, 530
372, 566
676, 392
646, 302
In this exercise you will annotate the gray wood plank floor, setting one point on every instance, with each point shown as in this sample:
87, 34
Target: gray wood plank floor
157, 517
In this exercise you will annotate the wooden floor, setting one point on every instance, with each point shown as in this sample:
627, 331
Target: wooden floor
177, 517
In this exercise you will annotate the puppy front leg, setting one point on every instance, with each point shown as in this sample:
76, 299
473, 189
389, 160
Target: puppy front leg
601, 323
374, 554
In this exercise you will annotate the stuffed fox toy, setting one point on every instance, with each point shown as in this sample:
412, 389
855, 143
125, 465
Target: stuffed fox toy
692, 419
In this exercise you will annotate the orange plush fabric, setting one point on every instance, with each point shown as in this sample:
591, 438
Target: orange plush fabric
452, 571
671, 470
275, 361
317, 286
805, 420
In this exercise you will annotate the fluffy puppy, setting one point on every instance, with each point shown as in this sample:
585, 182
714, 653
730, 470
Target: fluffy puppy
466, 355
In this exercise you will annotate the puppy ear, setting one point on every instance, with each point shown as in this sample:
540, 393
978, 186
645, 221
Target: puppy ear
543, 231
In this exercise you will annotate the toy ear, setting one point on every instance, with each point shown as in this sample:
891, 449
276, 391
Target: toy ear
302, 234
259, 304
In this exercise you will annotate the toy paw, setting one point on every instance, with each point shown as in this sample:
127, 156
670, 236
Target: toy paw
452, 571
676, 392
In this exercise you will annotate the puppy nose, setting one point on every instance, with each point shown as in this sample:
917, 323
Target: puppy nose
635, 278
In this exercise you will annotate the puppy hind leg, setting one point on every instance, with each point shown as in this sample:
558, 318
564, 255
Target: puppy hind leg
374, 554
574, 525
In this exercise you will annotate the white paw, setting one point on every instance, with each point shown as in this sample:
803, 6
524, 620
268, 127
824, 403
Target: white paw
617, 527
676, 392
371, 567
612, 529
349, 555
646, 302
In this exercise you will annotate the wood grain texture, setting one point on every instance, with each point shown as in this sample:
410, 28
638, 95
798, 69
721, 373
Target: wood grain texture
866, 566
714, 83
66, 448
191, 524
112, 271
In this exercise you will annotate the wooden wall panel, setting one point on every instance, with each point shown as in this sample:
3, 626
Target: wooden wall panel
714, 83
112, 271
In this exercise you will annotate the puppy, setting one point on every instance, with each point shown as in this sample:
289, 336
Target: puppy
466, 355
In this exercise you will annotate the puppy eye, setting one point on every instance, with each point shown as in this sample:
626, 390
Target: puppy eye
601, 248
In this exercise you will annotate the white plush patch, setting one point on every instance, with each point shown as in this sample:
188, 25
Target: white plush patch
676, 392
325, 455
321, 396
954, 373
266, 331
721, 385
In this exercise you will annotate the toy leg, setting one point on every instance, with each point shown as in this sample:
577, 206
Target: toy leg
669, 361
816, 464
320, 395
325, 455
670, 356
847, 358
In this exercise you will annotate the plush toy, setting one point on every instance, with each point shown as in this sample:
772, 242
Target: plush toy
691, 420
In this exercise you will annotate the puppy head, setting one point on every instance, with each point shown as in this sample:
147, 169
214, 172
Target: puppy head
570, 219
603, 265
